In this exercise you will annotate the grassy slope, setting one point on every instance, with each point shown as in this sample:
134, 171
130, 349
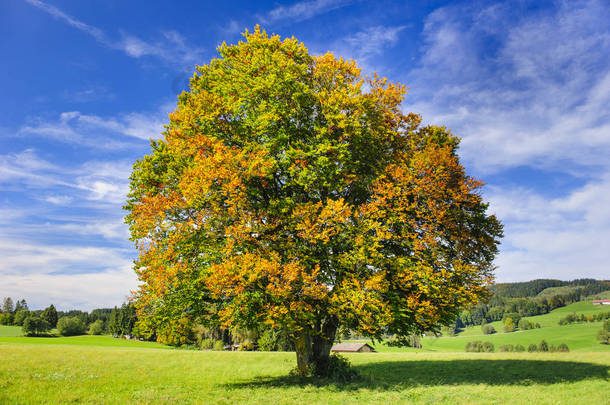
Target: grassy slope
579, 337
32, 373
548, 293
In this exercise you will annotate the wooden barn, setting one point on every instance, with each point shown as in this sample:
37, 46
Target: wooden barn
352, 348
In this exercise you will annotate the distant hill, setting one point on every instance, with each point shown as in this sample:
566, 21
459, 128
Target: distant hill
587, 286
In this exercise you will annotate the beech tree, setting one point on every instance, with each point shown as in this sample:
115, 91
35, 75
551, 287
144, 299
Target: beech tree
291, 191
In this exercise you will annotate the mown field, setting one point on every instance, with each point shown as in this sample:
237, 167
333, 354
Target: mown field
42, 373
104, 370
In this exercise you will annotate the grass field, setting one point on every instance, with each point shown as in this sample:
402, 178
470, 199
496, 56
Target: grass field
35, 373
104, 370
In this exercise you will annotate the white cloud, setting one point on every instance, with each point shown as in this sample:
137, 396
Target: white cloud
520, 90
303, 10
372, 41
99, 132
58, 199
171, 47
88, 291
23, 257
101, 181
29, 169
563, 237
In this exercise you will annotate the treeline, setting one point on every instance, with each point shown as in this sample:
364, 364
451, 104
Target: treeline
520, 298
122, 322
115, 321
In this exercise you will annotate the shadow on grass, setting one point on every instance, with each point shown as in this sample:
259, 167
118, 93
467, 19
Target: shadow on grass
394, 375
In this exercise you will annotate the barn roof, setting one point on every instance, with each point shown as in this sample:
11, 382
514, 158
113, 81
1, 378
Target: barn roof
349, 347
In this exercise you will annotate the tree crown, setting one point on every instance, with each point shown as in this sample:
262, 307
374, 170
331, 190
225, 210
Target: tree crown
291, 190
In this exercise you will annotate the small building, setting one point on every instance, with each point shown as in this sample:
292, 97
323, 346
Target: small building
352, 348
601, 302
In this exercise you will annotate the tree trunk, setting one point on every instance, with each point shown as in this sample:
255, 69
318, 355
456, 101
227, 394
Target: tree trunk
313, 348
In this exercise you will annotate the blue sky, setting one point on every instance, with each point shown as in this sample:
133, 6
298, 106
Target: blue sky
85, 85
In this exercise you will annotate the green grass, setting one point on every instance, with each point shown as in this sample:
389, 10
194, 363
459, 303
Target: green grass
12, 334
37, 373
10, 330
105, 370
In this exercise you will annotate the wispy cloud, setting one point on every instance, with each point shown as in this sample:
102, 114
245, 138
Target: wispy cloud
90, 93
372, 41
170, 47
519, 89
97, 181
303, 10
97, 131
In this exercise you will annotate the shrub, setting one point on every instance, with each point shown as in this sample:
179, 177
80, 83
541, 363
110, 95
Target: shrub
543, 346
532, 348
488, 347
406, 341
206, 344
509, 325
519, 348
603, 336
524, 324
275, 340
506, 348
477, 346
96, 328
488, 329
563, 348
473, 346
268, 341
34, 325
218, 345
70, 326
7, 319
248, 346
339, 369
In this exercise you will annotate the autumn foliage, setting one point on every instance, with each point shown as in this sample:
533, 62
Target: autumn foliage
291, 191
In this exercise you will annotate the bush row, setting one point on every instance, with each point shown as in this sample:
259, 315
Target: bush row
478, 346
573, 318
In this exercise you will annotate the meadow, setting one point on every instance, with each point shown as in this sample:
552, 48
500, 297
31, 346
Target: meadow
105, 370
42, 373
